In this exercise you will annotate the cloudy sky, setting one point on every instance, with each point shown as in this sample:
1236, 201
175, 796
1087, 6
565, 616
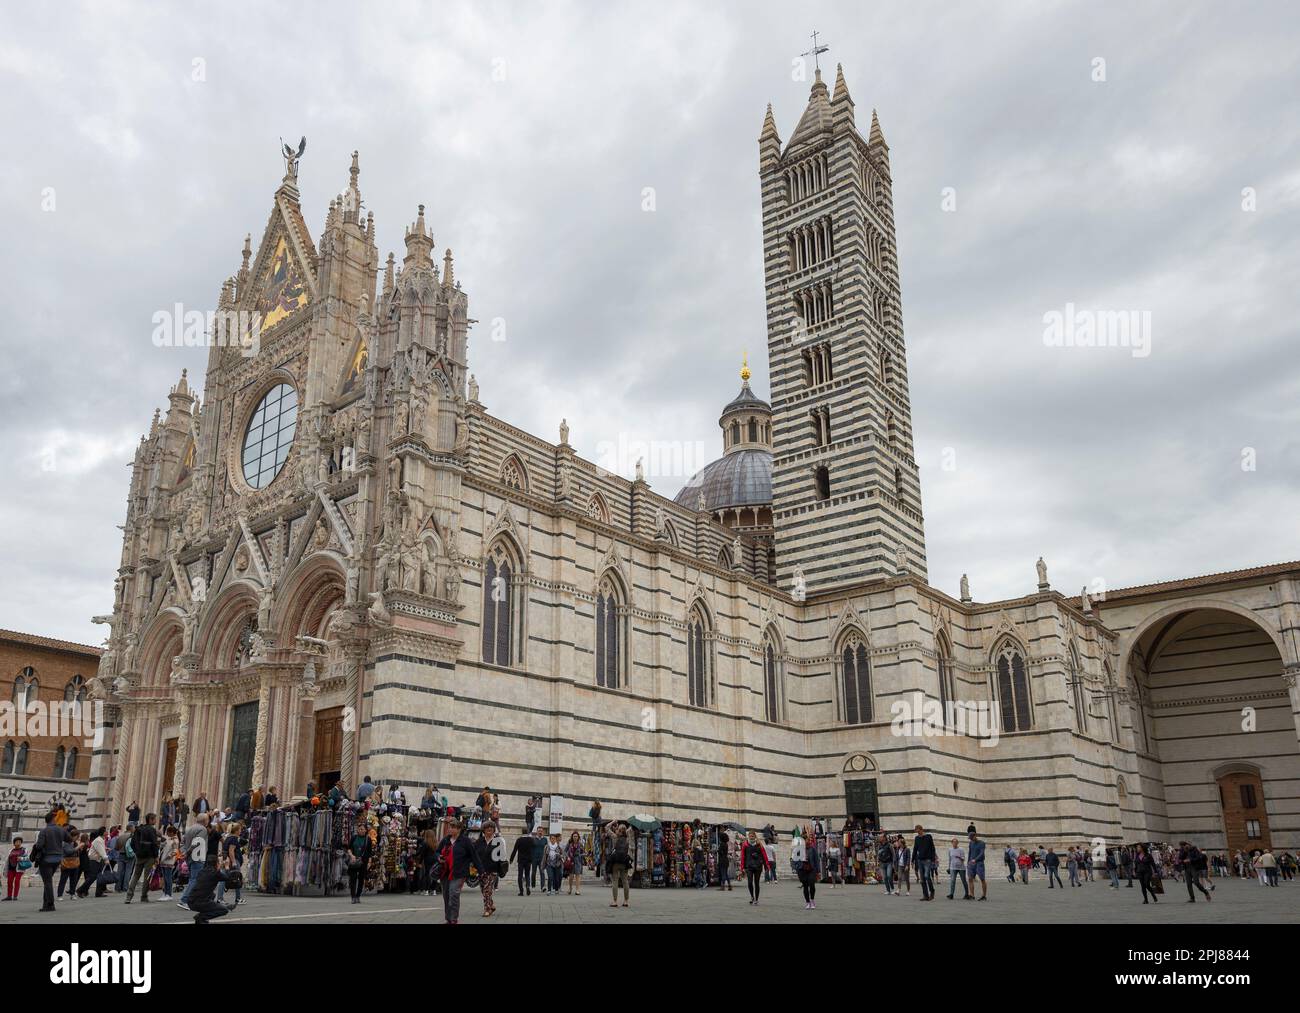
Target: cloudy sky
531, 132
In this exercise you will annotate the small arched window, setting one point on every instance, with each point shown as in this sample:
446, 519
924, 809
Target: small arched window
609, 621
1013, 689
7, 764
60, 760
499, 597
855, 680
753, 431
698, 659
70, 767
735, 433
20, 763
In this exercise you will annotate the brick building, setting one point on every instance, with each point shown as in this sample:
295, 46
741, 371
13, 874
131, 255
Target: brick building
38, 767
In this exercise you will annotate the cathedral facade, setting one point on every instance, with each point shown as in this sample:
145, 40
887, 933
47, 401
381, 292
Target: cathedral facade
342, 563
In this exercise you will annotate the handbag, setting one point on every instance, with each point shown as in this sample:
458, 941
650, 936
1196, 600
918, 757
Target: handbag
24, 865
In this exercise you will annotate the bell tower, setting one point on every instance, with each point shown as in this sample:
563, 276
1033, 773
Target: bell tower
845, 488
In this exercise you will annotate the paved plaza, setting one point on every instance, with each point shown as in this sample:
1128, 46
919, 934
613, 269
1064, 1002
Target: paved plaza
1094, 903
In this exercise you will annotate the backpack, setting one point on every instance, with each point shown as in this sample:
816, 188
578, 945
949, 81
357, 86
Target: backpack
885, 856
753, 857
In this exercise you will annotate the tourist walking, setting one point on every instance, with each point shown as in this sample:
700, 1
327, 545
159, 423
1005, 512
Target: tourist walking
359, 852
1072, 865
70, 868
490, 857
902, 866
957, 868
924, 857
807, 867
554, 864
194, 850
145, 845
1190, 858
538, 868
753, 859
15, 865
1052, 863
96, 859
885, 860
456, 854
573, 860
1147, 878
1012, 860
426, 858
125, 857
51, 847
975, 866
619, 864
167, 856
724, 860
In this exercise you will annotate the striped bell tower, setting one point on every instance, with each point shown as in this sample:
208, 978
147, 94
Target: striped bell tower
845, 488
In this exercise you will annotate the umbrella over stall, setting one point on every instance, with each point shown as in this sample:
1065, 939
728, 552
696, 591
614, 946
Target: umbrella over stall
643, 822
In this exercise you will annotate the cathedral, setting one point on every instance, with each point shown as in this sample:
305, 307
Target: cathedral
339, 562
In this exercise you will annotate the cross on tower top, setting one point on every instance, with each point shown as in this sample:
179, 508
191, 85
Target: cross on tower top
816, 50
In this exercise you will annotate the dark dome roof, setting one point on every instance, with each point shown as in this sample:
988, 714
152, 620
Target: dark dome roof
740, 478
747, 399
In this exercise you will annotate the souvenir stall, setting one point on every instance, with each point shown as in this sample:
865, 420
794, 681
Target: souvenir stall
674, 852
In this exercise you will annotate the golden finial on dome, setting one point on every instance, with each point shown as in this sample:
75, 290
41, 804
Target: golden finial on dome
744, 368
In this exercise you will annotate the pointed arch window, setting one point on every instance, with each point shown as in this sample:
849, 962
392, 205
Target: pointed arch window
1078, 692
499, 597
10, 754
20, 761
512, 474
773, 684
70, 767
1013, 689
609, 639
60, 760
699, 661
943, 662
855, 680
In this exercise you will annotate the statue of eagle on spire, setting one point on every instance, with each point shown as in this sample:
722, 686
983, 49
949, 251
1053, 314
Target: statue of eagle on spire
291, 158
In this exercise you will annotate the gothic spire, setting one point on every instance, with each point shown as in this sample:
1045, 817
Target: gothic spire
419, 244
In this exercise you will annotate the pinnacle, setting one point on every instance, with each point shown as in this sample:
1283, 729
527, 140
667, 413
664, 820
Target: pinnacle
841, 88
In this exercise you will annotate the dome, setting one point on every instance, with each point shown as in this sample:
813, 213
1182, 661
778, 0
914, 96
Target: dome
741, 478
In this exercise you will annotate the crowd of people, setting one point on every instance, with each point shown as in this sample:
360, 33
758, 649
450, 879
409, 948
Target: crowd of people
203, 847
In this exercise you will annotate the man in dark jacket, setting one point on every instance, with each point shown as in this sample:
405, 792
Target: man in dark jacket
49, 847
523, 855
242, 805
923, 857
539, 853
145, 845
456, 854
203, 900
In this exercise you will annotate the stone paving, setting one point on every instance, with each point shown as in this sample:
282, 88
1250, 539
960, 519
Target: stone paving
1094, 903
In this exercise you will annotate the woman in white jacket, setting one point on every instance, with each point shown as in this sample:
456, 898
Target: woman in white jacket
96, 859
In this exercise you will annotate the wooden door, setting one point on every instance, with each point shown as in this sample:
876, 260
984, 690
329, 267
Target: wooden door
327, 750
169, 767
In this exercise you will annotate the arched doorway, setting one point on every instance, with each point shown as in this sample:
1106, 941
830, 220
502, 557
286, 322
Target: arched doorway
1212, 726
